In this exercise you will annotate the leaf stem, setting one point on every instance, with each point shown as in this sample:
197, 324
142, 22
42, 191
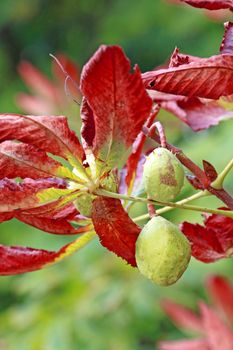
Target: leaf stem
168, 204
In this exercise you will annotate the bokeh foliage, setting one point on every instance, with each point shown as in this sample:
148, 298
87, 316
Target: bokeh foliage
93, 301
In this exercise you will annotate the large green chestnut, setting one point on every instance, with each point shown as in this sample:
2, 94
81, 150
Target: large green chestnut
162, 251
163, 175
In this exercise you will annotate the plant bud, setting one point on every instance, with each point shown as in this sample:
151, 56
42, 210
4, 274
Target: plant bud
162, 251
163, 175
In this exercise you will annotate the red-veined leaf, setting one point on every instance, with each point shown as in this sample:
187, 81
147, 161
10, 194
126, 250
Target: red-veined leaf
51, 225
197, 113
196, 344
221, 293
117, 232
24, 195
211, 4
213, 241
219, 335
207, 77
23, 160
49, 133
16, 260
227, 42
182, 316
118, 101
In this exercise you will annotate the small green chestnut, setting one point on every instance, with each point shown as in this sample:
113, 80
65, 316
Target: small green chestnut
162, 251
163, 175
84, 204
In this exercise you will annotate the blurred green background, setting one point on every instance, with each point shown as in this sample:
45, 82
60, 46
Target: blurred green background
94, 301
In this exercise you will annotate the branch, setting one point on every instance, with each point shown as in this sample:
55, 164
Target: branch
169, 204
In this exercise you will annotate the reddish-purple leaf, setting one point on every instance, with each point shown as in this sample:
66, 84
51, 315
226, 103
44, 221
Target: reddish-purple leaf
198, 113
221, 292
117, 101
182, 316
219, 335
211, 4
22, 160
24, 195
207, 77
196, 344
210, 171
49, 133
201, 114
227, 42
213, 241
117, 232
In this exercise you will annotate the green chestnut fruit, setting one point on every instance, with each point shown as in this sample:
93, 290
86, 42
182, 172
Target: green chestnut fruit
163, 175
84, 204
162, 251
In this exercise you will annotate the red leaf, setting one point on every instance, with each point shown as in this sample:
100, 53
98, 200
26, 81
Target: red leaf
35, 105
227, 42
38, 82
6, 216
15, 260
196, 344
211, 4
210, 171
218, 335
182, 317
177, 58
221, 292
118, 101
51, 134
22, 160
51, 225
23, 195
201, 114
88, 124
213, 241
117, 232
198, 113
206, 77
